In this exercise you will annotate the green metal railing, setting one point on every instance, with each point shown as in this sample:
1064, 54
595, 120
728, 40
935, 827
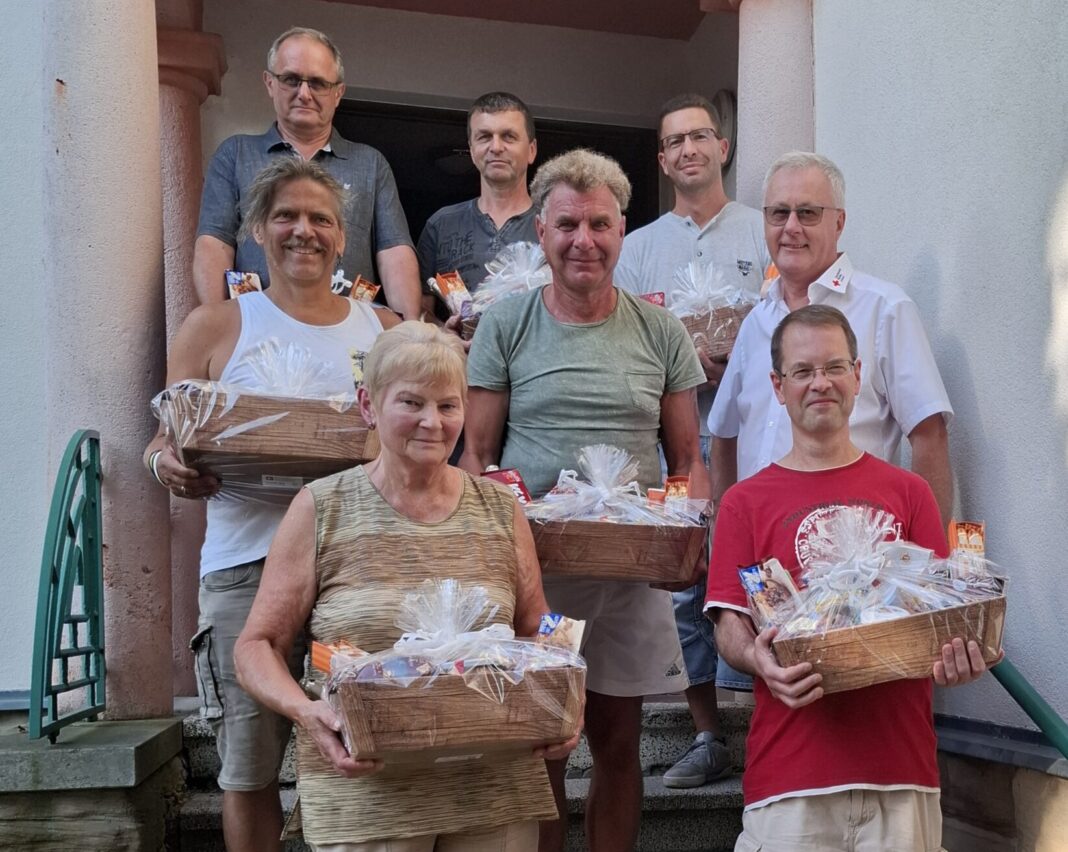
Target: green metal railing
1044, 716
68, 640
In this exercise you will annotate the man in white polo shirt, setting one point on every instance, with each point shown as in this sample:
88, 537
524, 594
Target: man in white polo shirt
901, 391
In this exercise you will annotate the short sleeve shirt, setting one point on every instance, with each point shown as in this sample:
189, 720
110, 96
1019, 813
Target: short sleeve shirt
732, 243
463, 238
375, 218
575, 385
900, 385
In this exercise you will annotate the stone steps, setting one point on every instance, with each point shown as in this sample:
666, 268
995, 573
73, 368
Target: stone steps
705, 818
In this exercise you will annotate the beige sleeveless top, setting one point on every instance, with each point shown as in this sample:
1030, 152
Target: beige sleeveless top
367, 557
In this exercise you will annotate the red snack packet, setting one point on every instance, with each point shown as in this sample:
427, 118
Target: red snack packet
513, 479
653, 298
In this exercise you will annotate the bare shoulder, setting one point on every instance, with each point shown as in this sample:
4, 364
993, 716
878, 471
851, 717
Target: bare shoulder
205, 341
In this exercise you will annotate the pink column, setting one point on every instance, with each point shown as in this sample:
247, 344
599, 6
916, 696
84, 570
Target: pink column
191, 65
775, 88
103, 293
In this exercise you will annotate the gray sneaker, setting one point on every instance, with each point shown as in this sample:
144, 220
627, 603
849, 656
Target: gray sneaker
706, 760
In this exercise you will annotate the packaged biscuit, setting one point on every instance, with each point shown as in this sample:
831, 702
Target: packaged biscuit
771, 591
512, 478
450, 288
239, 283
363, 290
561, 632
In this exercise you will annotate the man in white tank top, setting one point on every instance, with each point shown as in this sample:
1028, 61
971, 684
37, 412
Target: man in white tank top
296, 213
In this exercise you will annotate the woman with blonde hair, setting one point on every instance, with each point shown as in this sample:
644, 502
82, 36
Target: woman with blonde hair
346, 552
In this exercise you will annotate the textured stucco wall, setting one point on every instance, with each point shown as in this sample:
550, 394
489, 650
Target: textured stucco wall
24, 489
949, 120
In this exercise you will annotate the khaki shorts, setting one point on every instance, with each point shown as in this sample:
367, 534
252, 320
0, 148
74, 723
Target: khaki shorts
514, 837
847, 821
250, 738
631, 645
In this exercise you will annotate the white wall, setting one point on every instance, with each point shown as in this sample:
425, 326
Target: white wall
24, 489
438, 60
949, 121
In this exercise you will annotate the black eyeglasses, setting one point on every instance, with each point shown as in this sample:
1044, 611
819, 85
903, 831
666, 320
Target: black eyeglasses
832, 370
317, 85
807, 214
699, 136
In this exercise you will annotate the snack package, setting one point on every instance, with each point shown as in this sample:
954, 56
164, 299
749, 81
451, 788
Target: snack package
266, 447
711, 310
602, 526
513, 479
239, 283
455, 683
364, 290
450, 288
657, 298
771, 592
874, 608
560, 632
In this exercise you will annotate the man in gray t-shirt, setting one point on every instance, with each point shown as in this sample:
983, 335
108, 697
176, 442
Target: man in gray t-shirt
577, 363
708, 228
465, 236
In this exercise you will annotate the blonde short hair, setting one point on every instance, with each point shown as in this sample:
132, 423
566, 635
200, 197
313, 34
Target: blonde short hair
414, 352
583, 170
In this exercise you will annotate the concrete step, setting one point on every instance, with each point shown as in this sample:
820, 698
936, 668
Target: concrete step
667, 732
704, 819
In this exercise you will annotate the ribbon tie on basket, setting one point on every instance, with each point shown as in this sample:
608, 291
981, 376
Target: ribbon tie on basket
443, 645
700, 289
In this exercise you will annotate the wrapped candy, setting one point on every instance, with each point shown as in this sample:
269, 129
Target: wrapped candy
265, 447
600, 525
874, 608
711, 309
454, 681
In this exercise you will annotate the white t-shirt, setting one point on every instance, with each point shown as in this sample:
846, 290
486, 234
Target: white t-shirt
900, 385
732, 242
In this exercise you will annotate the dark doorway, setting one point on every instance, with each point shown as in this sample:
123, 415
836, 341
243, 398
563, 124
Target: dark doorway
427, 149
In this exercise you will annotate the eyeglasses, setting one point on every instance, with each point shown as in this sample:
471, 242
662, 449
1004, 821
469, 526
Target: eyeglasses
832, 370
317, 85
807, 214
699, 137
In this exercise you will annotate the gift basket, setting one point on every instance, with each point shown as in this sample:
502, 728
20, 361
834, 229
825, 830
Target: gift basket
711, 310
266, 447
601, 526
874, 608
455, 684
517, 268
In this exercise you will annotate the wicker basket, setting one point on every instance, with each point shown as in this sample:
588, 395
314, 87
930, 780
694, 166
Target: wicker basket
714, 333
605, 551
424, 722
853, 657
246, 437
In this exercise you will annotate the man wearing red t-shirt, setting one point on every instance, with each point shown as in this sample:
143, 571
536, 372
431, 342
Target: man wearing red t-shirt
852, 770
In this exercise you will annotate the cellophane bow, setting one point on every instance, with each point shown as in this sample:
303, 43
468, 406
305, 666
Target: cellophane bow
699, 288
859, 571
448, 629
518, 267
609, 491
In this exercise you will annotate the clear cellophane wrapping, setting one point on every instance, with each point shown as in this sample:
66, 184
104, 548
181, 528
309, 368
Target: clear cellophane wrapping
711, 309
871, 601
455, 683
596, 523
517, 268
265, 447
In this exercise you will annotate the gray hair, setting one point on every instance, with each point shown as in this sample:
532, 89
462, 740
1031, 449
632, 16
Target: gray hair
315, 35
808, 160
283, 170
583, 170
